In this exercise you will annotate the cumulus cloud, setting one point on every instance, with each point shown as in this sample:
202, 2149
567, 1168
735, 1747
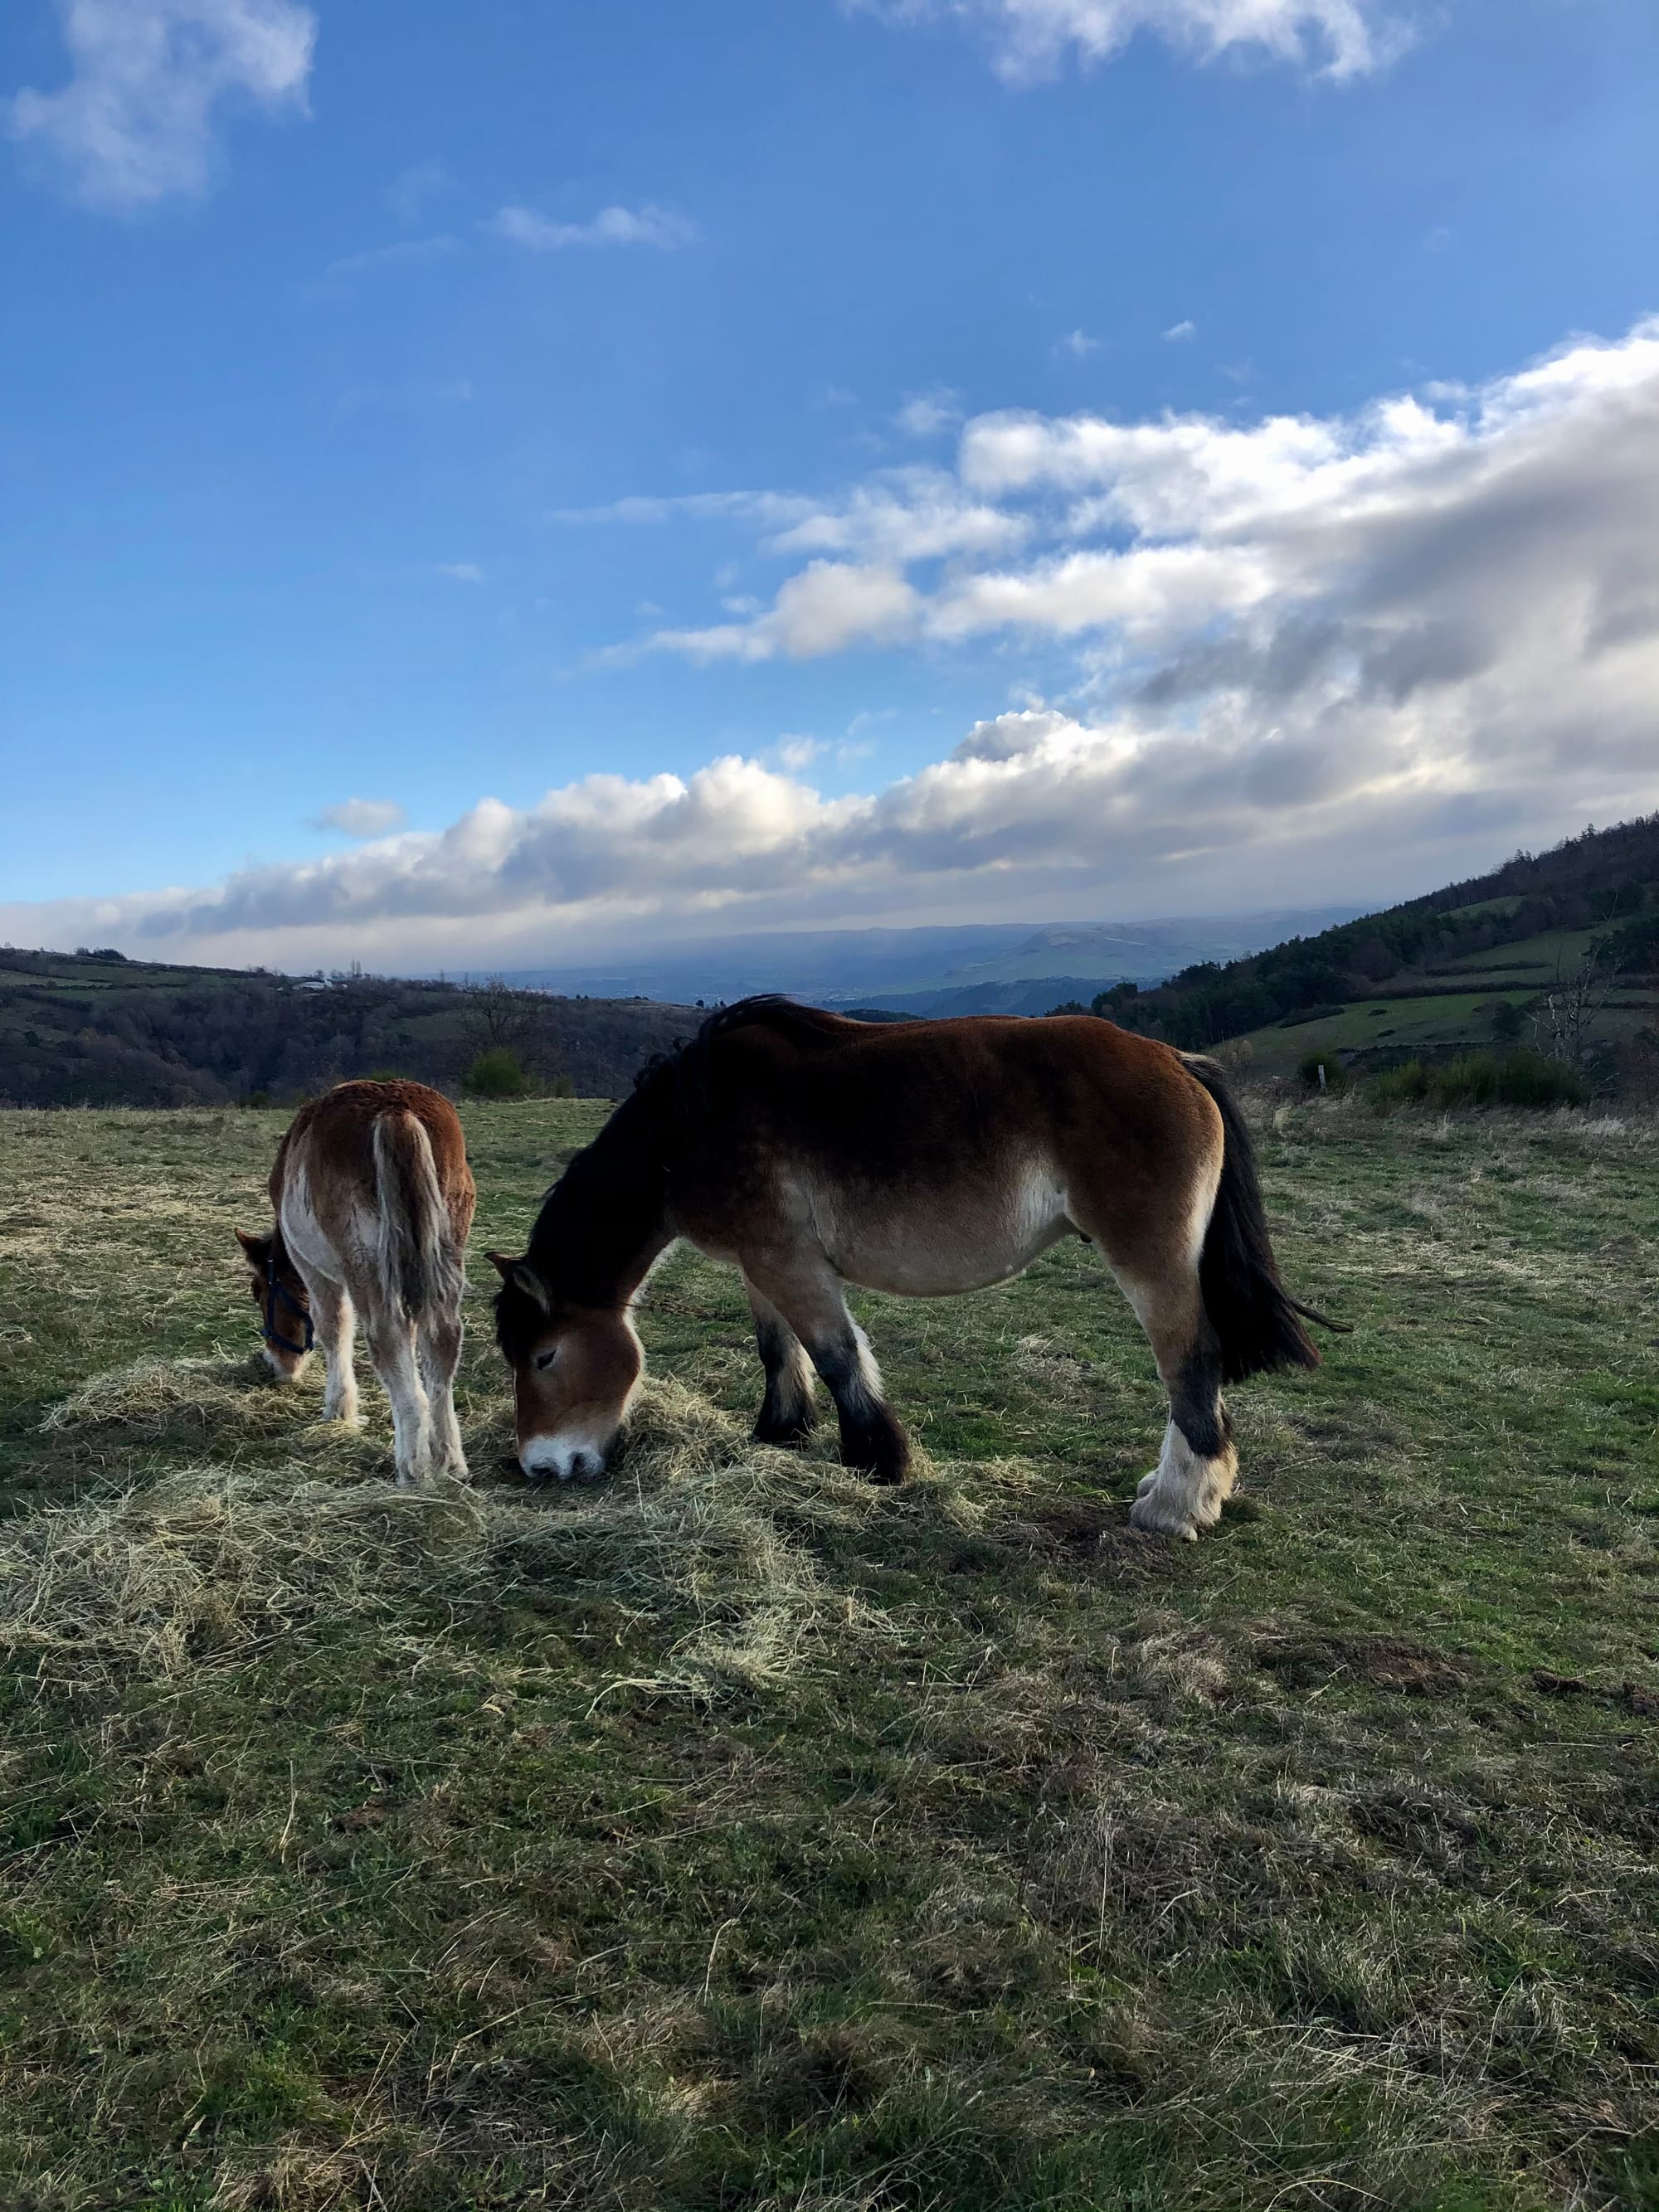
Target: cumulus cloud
612, 226
361, 817
925, 414
1346, 657
137, 120
1032, 38
831, 605
1178, 331
1480, 515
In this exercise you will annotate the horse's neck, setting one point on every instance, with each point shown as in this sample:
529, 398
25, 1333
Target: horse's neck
605, 1219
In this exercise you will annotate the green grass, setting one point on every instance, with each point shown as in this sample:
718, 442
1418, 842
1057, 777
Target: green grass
734, 1835
1439, 1021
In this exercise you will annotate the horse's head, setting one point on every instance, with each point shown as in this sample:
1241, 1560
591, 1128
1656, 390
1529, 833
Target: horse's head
574, 1372
283, 1300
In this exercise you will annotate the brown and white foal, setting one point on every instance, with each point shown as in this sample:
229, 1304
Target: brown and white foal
914, 1157
373, 1200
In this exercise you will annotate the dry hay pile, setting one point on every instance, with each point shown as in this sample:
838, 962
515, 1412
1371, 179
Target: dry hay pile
228, 1399
206, 1563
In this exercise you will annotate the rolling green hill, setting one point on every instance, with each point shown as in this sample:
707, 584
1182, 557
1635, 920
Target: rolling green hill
92, 1028
1429, 977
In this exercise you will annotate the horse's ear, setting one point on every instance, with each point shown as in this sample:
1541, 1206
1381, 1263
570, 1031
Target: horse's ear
522, 1277
256, 1250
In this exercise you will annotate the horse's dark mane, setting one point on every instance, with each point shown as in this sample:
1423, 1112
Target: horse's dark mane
609, 1203
680, 1085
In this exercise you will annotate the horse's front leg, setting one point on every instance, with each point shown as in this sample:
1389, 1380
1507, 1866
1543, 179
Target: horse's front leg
809, 1295
788, 1415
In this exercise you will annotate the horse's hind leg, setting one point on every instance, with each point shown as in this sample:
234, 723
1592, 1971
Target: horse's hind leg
439, 1336
809, 1296
1197, 1465
334, 1319
787, 1414
392, 1347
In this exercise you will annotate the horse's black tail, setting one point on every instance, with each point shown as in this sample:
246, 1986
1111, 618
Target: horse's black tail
1257, 1321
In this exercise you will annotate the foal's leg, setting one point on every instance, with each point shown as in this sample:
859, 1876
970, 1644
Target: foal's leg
333, 1320
1197, 1465
810, 1296
440, 1337
787, 1414
392, 1348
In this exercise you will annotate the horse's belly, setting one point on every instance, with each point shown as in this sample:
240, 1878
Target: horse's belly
931, 1247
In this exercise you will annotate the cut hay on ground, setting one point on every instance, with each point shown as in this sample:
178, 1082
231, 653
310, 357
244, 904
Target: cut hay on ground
209, 1563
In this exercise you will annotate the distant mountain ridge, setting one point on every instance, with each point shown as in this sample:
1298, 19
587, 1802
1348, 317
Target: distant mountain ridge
973, 968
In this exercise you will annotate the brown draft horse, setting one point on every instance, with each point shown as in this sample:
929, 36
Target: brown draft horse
373, 1200
914, 1157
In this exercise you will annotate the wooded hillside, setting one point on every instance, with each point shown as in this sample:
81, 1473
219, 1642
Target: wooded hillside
95, 1029
1605, 881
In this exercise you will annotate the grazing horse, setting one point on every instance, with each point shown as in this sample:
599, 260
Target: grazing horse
918, 1158
374, 1200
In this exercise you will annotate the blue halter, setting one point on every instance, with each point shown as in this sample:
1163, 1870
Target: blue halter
275, 1291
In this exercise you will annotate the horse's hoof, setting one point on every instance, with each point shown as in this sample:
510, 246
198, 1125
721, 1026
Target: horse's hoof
786, 1437
1155, 1519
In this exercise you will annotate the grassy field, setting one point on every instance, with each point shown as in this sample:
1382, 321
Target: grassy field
1417, 1018
733, 1835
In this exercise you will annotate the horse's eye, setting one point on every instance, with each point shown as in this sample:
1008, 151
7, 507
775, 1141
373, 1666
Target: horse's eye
546, 1359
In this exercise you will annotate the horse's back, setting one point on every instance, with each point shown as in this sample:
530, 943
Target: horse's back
334, 1135
920, 1083
930, 1156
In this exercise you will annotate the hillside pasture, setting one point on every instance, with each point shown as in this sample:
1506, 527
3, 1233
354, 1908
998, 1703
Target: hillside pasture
733, 1834
1415, 1019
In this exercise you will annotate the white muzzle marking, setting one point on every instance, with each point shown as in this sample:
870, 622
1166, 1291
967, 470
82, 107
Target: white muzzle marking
569, 1458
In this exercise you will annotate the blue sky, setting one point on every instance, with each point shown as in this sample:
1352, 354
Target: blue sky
779, 461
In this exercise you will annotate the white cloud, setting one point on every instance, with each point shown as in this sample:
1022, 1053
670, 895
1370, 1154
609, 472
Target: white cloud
408, 194
1178, 331
829, 606
361, 817
772, 510
1172, 535
1032, 38
460, 572
1078, 344
401, 252
901, 515
137, 122
925, 414
612, 226
1344, 657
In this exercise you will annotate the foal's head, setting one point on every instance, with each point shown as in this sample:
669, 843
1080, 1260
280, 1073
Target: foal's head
574, 1372
283, 1300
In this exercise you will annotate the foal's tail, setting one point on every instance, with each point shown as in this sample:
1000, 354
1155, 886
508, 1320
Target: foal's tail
419, 1268
1256, 1319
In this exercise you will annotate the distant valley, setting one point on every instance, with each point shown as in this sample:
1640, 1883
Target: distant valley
1010, 968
